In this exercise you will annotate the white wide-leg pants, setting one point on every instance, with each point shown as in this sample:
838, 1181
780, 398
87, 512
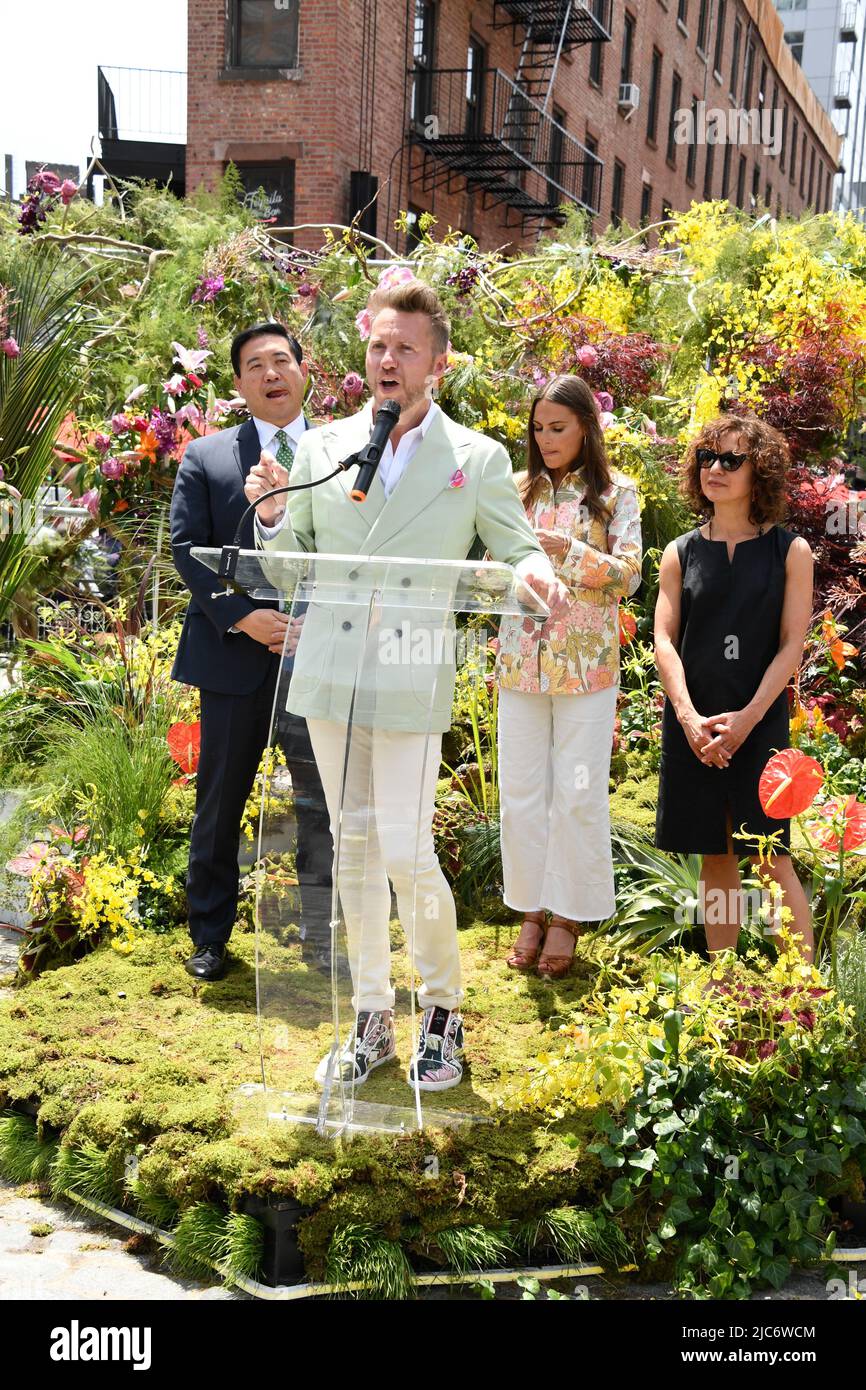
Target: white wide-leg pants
386, 831
554, 770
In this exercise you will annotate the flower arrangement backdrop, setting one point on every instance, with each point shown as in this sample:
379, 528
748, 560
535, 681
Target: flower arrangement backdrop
115, 324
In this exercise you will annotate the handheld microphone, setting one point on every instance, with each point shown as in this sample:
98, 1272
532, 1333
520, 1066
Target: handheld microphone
368, 458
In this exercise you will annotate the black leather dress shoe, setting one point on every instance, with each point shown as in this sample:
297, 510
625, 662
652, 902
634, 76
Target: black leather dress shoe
317, 955
207, 962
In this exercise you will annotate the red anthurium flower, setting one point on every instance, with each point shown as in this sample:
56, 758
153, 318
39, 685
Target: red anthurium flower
789, 783
848, 816
184, 745
627, 626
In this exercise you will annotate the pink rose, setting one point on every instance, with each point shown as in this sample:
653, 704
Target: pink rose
606, 419
330, 403
395, 275
10, 347
604, 400
363, 323
102, 442
120, 424
68, 190
353, 385
112, 469
586, 355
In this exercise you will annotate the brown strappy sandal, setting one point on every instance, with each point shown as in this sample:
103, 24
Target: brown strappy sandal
524, 957
557, 967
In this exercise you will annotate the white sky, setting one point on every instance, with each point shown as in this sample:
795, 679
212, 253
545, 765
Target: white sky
49, 53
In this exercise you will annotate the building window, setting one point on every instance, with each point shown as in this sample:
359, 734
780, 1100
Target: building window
756, 185
692, 157
422, 53
726, 169
774, 119
803, 167
783, 5
676, 88
554, 161
784, 138
703, 25
652, 116
262, 36
708, 172
748, 74
811, 176
475, 63
741, 181
646, 199
596, 49
269, 191
683, 11
793, 170
794, 40
617, 192
735, 58
589, 191
720, 36
768, 195
762, 85
627, 49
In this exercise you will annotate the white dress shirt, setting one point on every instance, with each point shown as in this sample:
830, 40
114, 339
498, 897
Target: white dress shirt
392, 465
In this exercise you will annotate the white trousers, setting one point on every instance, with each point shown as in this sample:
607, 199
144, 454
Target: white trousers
554, 770
386, 831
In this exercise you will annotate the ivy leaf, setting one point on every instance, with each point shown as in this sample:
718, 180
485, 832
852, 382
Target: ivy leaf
645, 1160
669, 1125
776, 1270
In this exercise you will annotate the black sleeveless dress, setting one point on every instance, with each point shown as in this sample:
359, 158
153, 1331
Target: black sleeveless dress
730, 617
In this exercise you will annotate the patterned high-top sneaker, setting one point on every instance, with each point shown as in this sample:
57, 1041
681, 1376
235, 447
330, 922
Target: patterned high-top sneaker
439, 1058
369, 1045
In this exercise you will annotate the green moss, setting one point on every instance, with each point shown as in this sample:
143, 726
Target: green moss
129, 1055
635, 803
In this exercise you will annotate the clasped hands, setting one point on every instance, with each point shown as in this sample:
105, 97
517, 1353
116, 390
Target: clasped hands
715, 738
268, 626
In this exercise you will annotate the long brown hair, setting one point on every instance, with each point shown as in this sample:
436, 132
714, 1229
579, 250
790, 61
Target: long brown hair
768, 455
591, 462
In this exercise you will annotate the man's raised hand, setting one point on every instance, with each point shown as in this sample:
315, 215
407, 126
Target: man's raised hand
264, 476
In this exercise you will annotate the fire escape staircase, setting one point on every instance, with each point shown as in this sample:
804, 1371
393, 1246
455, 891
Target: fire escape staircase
511, 148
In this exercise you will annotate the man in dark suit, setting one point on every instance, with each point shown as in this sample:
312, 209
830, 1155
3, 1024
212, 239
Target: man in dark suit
230, 648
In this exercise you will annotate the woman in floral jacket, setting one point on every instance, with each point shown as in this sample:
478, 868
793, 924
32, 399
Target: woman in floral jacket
558, 683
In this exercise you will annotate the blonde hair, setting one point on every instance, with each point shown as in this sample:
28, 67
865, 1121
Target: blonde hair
414, 297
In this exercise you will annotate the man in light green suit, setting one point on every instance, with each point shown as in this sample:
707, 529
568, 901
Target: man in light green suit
438, 486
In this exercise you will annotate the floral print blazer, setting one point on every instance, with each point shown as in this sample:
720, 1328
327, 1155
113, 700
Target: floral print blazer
577, 653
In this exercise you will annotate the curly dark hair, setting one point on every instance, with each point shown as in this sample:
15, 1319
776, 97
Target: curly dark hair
573, 392
770, 459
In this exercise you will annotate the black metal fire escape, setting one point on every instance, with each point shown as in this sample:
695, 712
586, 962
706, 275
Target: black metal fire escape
506, 143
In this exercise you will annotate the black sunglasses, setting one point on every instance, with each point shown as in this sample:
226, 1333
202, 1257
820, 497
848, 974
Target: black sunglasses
730, 462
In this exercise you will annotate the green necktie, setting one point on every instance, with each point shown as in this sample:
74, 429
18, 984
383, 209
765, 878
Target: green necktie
285, 452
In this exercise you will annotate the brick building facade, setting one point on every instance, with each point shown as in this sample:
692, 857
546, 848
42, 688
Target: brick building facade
491, 114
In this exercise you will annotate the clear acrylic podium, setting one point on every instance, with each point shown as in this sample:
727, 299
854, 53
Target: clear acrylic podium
346, 819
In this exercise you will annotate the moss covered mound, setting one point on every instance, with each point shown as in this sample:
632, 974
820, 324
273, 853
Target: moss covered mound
130, 1056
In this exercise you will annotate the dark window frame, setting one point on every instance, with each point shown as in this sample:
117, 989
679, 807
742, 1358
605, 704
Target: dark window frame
652, 115
475, 92
719, 50
692, 155
735, 58
616, 193
709, 169
741, 181
626, 66
423, 60
726, 170
703, 26
676, 95
234, 65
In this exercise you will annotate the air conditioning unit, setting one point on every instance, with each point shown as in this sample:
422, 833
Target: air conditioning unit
629, 98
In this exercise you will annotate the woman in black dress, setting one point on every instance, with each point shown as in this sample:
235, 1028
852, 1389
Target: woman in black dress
734, 606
